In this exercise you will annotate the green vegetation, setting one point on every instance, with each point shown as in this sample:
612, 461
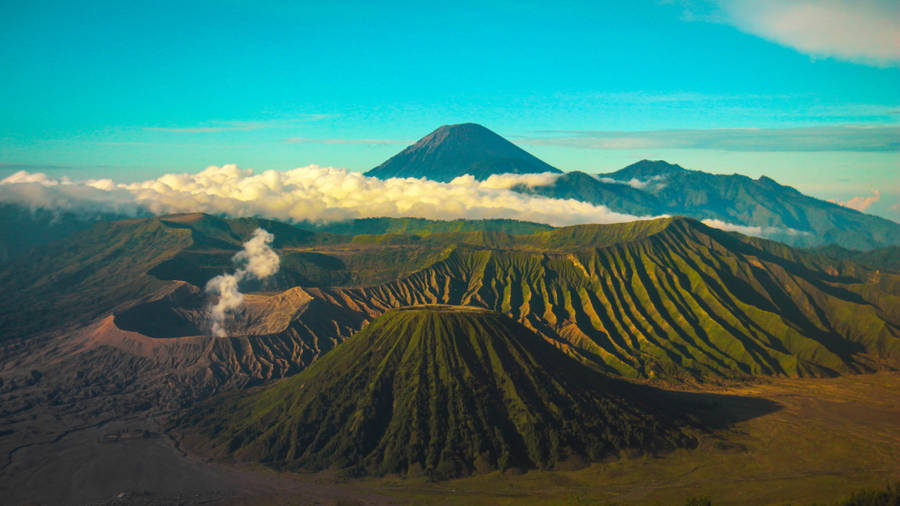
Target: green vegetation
86, 276
886, 259
23, 228
442, 391
667, 298
675, 299
827, 438
422, 226
889, 496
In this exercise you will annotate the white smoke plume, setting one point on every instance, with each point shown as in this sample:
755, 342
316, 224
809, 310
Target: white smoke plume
259, 261
312, 193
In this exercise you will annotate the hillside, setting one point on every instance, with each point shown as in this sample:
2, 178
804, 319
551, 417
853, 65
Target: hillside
422, 226
885, 259
437, 390
23, 228
669, 298
454, 150
109, 265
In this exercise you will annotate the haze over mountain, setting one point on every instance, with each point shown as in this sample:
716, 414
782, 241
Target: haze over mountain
734, 202
454, 150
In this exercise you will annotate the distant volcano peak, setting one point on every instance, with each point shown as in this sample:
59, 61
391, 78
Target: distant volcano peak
454, 150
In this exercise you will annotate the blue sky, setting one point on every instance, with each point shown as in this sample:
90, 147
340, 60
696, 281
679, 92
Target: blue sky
805, 92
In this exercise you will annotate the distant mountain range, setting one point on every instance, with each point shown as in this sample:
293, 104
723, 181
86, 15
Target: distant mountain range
761, 206
650, 188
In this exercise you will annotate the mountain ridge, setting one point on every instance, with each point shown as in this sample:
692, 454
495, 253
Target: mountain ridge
440, 390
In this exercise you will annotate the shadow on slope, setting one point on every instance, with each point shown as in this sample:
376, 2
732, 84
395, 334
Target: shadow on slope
446, 391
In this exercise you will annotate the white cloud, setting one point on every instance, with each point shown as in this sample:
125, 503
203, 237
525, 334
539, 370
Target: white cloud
752, 230
93, 197
657, 181
861, 31
312, 193
506, 181
860, 203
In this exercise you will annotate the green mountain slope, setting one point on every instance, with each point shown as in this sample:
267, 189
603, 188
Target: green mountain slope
670, 298
886, 259
23, 228
115, 264
667, 298
422, 226
440, 390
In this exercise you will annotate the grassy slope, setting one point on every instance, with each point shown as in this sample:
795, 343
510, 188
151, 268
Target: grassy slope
656, 298
588, 188
422, 226
104, 268
675, 298
443, 391
80, 278
829, 438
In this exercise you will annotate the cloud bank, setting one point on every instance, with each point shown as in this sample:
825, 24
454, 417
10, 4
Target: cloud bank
312, 193
259, 261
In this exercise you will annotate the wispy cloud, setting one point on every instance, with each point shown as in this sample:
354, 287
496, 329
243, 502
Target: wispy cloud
240, 126
806, 139
860, 31
309, 140
860, 203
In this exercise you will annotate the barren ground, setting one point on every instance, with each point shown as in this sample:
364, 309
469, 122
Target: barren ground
826, 438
